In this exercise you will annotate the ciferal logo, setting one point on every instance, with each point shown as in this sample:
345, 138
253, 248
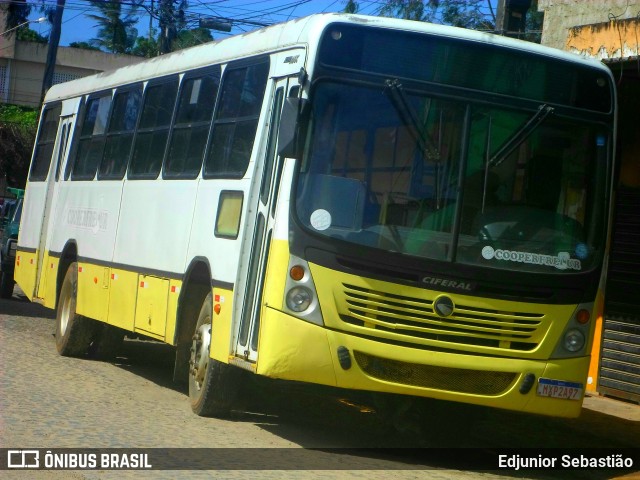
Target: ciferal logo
443, 306
23, 459
447, 283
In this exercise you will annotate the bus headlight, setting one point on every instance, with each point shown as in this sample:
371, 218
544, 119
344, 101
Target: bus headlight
576, 335
299, 299
574, 340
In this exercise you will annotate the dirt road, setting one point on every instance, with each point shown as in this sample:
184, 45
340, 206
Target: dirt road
48, 401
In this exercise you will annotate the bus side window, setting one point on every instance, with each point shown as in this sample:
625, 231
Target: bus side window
45, 143
122, 124
91, 142
229, 214
236, 120
193, 120
153, 130
62, 149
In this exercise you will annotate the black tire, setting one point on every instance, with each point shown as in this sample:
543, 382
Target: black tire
6, 284
213, 385
106, 342
74, 332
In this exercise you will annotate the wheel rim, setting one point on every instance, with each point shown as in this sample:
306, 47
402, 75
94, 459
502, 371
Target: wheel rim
64, 315
200, 354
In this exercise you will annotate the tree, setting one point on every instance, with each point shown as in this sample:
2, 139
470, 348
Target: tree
171, 20
25, 34
459, 13
17, 133
466, 14
17, 13
410, 9
116, 31
146, 47
191, 38
533, 23
83, 46
351, 7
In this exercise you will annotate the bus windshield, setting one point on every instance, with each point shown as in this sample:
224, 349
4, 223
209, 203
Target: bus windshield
453, 180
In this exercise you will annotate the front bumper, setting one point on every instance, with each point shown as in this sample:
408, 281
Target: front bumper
296, 350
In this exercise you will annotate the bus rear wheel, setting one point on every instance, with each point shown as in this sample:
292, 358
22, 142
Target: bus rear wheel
74, 332
213, 385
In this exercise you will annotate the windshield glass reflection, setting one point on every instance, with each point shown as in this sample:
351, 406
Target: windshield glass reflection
448, 180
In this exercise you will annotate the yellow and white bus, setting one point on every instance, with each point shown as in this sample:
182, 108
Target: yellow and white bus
367, 203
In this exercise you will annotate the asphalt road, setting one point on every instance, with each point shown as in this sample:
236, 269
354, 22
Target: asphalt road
48, 401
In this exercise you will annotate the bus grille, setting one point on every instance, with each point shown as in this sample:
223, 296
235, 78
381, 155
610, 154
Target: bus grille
415, 317
441, 378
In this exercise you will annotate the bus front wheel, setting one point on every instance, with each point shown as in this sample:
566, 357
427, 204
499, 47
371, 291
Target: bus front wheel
73, 332
213, 385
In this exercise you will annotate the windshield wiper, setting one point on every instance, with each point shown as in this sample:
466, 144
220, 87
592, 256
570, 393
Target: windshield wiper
520, 136
410, 118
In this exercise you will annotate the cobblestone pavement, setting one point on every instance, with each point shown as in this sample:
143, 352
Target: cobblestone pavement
48, 401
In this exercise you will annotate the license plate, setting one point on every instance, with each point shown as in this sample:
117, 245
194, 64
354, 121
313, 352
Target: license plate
559, 389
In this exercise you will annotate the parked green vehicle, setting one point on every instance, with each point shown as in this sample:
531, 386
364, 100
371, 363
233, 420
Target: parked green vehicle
10, 224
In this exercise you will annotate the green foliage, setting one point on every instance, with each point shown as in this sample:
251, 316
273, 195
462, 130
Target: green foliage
410, 9
472, 14
116, 32
83, 45
25, 34
17, 134
171, 20
351, 7
17, 13
146, 47
190, 38
22, 116
465, 14
533, 23
459, 13
150, 47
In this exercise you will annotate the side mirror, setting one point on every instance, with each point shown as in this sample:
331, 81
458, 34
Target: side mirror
294, 113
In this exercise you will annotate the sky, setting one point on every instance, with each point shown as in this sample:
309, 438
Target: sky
77, 27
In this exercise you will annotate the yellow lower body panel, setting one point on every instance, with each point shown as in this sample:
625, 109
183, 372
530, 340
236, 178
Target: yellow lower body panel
296, 350
151, 306
221, 324
50, 272
292, 349
122, 299
93, 291
25, 272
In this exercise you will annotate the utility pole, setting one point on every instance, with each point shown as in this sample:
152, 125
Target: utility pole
151, 22
54, 40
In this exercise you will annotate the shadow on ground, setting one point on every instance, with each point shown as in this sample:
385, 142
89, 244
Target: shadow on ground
410, 434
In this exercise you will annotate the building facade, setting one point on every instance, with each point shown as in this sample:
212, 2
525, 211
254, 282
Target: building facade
22, 66
609, 30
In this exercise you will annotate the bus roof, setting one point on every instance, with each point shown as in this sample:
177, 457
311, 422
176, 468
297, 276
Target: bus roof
303, 32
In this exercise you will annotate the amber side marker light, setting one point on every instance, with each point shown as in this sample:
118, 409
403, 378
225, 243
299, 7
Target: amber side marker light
296, 273
583, 316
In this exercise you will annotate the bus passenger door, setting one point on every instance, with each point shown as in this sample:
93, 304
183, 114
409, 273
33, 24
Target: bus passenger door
264, 191
59, 154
